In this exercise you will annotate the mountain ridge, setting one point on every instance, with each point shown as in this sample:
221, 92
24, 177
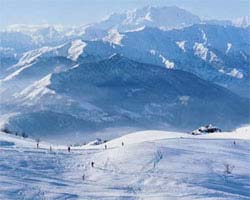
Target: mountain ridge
114, 75
119, 92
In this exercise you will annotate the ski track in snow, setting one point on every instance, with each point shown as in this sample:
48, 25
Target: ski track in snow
174, 167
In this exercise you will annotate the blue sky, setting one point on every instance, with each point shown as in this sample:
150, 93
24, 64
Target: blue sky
76, 12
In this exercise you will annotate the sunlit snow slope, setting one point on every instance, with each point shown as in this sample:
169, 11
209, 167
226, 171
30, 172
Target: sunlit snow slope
150, 165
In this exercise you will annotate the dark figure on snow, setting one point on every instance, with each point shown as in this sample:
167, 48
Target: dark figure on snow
105, 146
37, 143
68, 148
92, 164
122, 144
83, 177
50, 148
234, 142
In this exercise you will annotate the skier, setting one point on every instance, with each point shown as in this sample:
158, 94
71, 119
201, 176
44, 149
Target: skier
105, 146
68, 148
37, 143
234, 142
92, 164
83, 177
122, 144
50, 148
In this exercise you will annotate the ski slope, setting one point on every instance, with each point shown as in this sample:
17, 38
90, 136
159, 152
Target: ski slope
150, 165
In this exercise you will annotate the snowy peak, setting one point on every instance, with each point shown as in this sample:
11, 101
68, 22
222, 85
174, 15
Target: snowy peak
160, 17
110, 29
166, 17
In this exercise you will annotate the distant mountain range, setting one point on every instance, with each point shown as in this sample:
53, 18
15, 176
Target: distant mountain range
216, 53
147, 68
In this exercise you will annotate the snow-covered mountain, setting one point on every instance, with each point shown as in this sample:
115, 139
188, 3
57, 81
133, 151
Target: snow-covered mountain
164, 18
216, 53
119, 92
51, 76
161, 17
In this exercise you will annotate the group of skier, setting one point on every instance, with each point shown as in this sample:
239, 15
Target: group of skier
69, 149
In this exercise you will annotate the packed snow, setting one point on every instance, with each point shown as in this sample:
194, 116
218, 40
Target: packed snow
140, 165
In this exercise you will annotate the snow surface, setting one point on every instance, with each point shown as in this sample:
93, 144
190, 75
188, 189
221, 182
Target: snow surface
232, 72
212, 43
168, 64
114, 37
213, 57
30, 56
200, 50
235, 73
17, 72
229, 46
162, 17
37, 90
150, 165
204, 37
181, 45
76, 49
